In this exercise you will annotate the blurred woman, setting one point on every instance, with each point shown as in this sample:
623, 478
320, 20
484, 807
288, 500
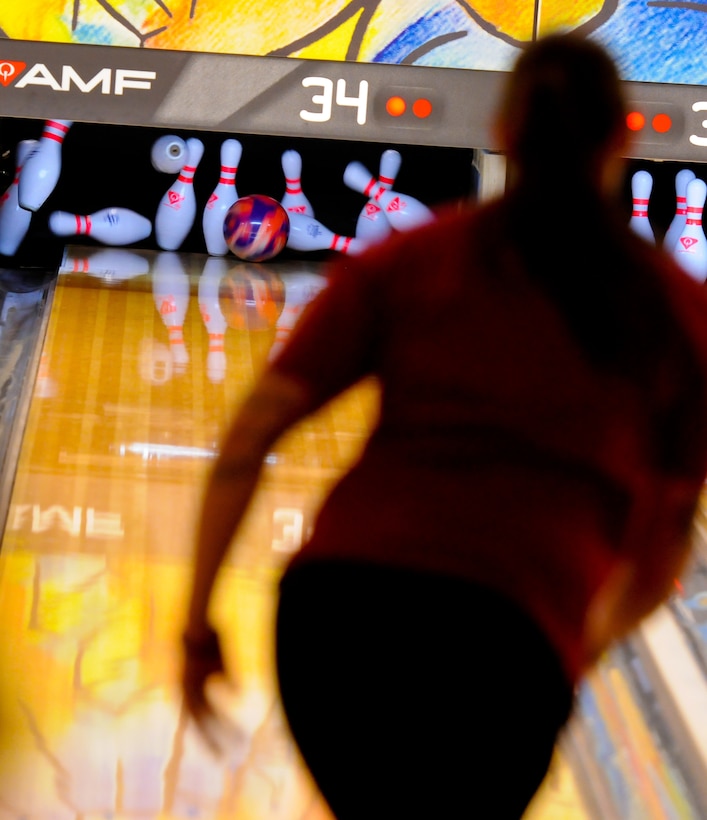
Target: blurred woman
526, 494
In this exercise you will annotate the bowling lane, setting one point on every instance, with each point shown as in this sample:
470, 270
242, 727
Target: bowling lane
121, 429
145, 357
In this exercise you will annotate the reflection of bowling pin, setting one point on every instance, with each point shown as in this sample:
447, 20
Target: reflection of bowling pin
641, 187
170, 289
213, 318
691, 248
372, 224
177, 209
294, 201
676, 226
168, 154
111, 226
300, 289
223, 196
109, 264
45, 386
14, 220
307, 234
40, 172
403, 212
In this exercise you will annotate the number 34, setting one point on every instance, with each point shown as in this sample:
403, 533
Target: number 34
327, 99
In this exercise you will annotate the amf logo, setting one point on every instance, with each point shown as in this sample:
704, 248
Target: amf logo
106, 80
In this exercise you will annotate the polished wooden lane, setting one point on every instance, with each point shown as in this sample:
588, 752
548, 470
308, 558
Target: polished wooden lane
123, 425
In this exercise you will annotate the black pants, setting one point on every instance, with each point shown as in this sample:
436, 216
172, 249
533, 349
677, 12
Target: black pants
416, 696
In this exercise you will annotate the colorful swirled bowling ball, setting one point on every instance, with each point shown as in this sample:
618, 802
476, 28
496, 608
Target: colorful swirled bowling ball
256, 228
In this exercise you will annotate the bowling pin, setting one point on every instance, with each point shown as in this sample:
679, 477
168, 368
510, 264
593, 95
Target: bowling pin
41, 170
212, 316
14, 220
170, 290
223, 196
294, 201
300, 289
176, 211
403, 212
111, 226
308, 234
676, 226
168, 154
641, 187
109, 264
691, 248
372, 224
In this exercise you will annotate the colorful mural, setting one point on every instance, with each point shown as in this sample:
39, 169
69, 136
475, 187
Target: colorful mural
652, 40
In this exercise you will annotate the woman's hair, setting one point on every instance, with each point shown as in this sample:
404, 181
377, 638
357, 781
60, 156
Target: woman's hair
563, 103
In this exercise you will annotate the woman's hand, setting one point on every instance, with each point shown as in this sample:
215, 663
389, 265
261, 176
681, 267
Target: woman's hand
202, 659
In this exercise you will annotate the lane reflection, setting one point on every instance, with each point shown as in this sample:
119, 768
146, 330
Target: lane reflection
140, 371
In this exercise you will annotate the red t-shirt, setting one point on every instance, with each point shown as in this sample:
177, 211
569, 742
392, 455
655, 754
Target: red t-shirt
501, 454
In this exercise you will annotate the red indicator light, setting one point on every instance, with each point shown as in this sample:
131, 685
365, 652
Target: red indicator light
662, 123
422, 108
395, 106
635, 121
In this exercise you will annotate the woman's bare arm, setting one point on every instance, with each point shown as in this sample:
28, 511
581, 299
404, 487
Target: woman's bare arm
275, 404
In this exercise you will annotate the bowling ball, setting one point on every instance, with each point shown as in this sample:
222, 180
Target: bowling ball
256, 228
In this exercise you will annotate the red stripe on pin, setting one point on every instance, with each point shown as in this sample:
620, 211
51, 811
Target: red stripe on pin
369, 187
58, 125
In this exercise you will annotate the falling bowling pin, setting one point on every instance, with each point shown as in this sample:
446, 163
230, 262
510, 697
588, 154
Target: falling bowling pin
170, 290
168, 154
641, 187
372, 224
212, 316
308, 234
176, 211
14, 219
223, 196
294, 201
691, 248
403, 212
111, 226
682, 178
41, 170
